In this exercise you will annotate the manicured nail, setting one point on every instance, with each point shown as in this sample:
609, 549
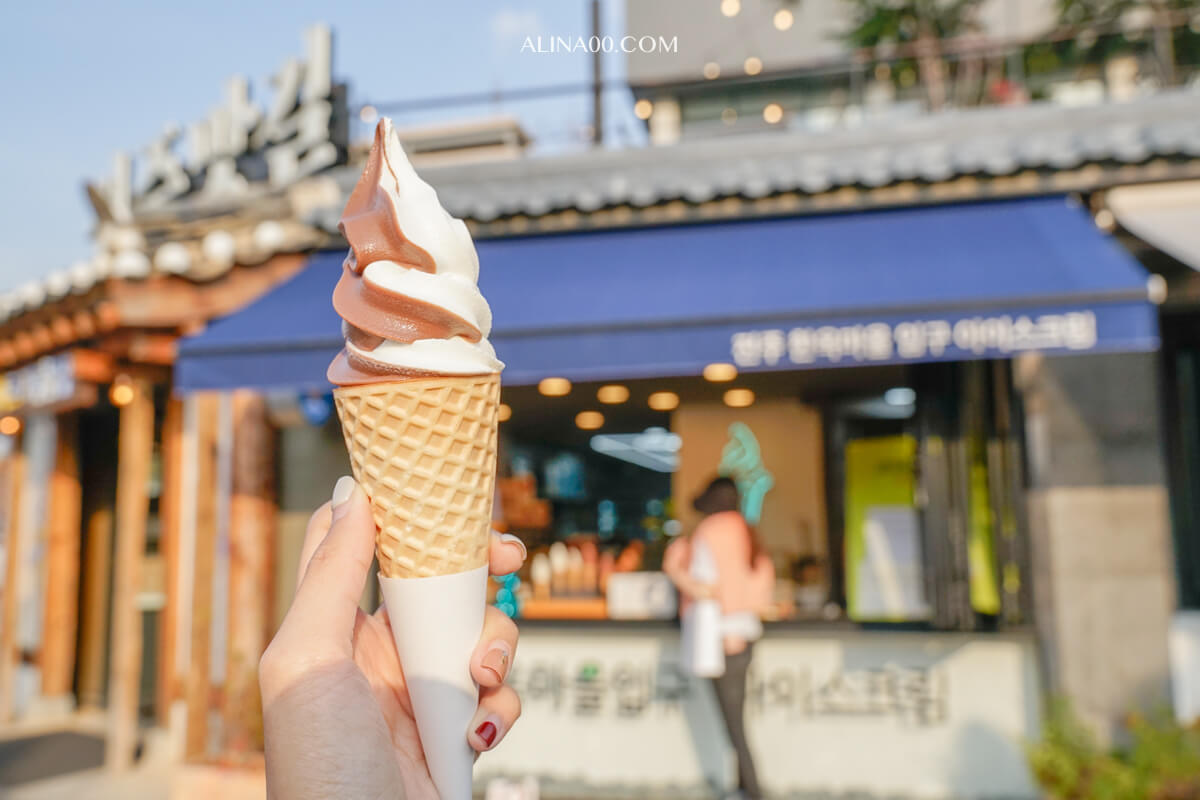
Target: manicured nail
508, 538
495, 660
487, 732
342, 490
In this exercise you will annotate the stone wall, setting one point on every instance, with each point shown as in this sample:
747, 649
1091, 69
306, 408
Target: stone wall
1100, 530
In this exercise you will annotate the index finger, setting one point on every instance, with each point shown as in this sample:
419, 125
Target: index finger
318, 526
327, 598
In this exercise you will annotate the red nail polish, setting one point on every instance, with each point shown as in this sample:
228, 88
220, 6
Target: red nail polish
487, 732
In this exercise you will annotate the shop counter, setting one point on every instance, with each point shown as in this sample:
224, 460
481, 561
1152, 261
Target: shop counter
830, 708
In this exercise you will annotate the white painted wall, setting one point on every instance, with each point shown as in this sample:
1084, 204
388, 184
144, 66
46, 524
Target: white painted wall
979, 695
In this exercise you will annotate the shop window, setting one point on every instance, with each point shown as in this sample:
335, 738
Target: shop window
883, 496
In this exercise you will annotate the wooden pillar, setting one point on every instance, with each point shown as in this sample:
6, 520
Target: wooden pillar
62, 573
134, 452
10, 494
97, 583
169, 514
197, 684
251, 551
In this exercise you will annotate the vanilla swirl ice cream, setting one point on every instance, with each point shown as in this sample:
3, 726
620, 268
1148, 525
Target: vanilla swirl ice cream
408, 294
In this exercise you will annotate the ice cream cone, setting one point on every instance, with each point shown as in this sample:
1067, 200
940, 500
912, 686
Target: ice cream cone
424, 451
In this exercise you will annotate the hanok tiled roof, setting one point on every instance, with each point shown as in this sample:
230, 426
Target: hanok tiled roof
988, 142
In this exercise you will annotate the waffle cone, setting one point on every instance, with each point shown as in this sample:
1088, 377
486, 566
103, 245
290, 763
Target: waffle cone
424, 451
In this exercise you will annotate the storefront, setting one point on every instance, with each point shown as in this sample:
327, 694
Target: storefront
862, 390
904, 345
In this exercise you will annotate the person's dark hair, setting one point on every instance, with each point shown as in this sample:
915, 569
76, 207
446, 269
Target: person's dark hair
721, 494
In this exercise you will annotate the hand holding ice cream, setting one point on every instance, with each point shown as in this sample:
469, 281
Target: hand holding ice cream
337, 717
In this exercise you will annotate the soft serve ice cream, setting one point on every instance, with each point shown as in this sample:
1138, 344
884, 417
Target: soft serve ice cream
408, 296
418, 396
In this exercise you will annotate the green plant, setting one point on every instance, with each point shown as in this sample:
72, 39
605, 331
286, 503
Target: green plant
1162, 761
919, 25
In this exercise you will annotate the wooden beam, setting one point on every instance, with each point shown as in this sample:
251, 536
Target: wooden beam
42, 339
153, 348
108, 315
23, 345
13, 474
197, 682
134, 451
251, 548
62, 555
169, 515
85, 324
165, 301
61, 330
92, 366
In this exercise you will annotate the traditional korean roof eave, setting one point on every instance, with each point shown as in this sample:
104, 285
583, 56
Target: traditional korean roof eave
136, 318
143, 268
956, 155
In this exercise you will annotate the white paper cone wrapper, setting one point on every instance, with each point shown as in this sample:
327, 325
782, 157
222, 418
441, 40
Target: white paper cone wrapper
436, 623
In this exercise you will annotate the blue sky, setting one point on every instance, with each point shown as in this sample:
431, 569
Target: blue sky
85, 80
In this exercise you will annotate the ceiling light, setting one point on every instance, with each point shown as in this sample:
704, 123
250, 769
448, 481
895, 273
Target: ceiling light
554, 387
663, 401
589, 420
752, 65
612, 394
720, 373
643, 108
1156, 289
121, 392
783, 19
739, 398
504, 412
900, 396
712, 70
773, 113
730, 8
10, 425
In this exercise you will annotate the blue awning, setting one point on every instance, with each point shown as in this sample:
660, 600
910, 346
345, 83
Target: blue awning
978, 280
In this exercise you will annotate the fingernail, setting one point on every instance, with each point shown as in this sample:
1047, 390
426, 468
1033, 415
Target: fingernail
487, 731
342, 490
508, 538
495, 660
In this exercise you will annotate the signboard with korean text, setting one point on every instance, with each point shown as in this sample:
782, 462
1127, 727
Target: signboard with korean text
300, 130
935, 337
849, 341
888, 714
45, 383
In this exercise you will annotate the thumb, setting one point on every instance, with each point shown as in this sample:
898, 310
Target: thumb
327, 599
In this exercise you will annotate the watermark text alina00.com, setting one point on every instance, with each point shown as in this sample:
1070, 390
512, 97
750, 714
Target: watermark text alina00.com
600, 44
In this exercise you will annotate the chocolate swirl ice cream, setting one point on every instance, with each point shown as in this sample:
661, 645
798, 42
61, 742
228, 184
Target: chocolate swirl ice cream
408, 296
